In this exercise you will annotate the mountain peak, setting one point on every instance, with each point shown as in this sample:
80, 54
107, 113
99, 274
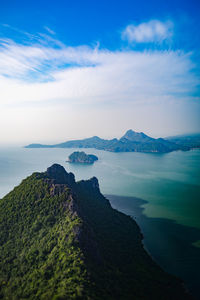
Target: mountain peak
68, 241
134, 136
55, 169
59, 175
95, 183
131, 141
130, 131
95, 138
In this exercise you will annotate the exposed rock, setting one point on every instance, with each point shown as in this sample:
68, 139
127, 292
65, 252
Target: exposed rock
59, 175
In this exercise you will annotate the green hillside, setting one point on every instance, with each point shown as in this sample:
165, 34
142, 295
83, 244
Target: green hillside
61, 239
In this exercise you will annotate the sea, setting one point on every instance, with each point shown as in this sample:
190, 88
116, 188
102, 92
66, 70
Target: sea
161, 192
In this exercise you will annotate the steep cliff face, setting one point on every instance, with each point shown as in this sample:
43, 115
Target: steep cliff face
61, 239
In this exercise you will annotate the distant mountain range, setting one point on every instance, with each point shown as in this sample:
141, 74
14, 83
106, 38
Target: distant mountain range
131, 141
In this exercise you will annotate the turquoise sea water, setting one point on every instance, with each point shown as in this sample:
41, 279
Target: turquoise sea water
169, 183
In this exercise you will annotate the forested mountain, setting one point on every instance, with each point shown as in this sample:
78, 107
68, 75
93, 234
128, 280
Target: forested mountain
61, 239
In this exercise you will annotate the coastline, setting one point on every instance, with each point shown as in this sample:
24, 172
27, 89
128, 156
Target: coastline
169, 244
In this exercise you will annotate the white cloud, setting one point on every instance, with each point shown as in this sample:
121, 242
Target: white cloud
41, 72
60, 86
152, 31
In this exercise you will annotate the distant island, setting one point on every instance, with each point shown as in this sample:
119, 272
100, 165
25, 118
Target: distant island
131, 141
61, 239
82, 158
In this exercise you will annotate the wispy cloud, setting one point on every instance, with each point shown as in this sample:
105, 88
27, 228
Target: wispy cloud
40, 58
49, 30
43, 79
42, 71
149, 32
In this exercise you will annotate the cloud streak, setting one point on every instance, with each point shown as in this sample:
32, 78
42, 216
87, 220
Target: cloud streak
49, 70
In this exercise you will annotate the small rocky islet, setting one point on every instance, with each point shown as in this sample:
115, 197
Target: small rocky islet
82, 158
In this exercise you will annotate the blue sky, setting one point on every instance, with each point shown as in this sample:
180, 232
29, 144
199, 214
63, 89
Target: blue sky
85, 22
107, 65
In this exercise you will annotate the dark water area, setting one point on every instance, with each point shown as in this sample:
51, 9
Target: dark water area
169, 243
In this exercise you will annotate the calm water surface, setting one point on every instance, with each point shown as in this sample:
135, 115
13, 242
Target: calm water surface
169, 184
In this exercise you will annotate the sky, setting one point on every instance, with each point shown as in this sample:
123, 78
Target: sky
75, 69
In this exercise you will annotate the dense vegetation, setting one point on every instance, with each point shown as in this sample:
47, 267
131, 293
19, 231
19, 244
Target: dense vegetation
82, 157
39, 255
130, 142
61, 239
